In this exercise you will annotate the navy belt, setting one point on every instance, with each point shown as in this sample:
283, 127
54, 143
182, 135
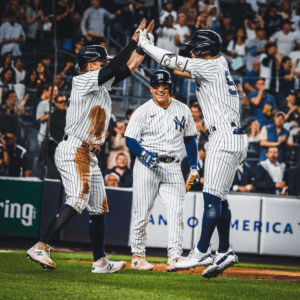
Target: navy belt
166, 159
93, 150
239, 130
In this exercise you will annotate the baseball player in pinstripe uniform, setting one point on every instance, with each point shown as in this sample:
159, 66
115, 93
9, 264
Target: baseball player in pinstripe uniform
87, 121
156, 134
227, 145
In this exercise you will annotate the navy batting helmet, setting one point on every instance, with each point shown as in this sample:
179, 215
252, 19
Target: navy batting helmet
162, 76
92, 53
207, 42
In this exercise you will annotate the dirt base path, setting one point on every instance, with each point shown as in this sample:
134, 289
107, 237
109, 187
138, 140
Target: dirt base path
234, 272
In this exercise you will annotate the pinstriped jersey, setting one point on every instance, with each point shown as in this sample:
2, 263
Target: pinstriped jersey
161, 130
89, 108
216, 91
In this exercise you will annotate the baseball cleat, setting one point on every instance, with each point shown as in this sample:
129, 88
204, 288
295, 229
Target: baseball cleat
40, 253
140, 263
104, 265
222, 262
174, 258
195, 259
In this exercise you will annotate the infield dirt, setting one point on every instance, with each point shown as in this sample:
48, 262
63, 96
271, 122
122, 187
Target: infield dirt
234, 272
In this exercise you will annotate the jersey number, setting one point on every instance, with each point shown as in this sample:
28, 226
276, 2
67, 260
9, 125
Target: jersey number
231, 85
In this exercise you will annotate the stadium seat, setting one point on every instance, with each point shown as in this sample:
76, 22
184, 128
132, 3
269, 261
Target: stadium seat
253, 150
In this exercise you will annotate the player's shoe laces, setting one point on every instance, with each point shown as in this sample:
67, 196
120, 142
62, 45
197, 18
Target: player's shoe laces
40, 253
195, 259
222, 261
104, 265
174, 258
140, 263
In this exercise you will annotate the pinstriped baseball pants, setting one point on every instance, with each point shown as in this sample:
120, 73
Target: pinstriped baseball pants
167, 182
81, 177
224, 152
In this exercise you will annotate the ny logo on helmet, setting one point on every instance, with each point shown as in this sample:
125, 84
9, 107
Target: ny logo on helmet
179, 124
160, 76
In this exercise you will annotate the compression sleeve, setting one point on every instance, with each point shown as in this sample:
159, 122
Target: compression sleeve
191, 150
116, 63
122, 74
134, 146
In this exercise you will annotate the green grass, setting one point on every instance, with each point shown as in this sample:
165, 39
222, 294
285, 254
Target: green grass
23, 279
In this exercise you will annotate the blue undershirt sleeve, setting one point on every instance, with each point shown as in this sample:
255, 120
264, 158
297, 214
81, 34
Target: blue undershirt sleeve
134, 146
191, 150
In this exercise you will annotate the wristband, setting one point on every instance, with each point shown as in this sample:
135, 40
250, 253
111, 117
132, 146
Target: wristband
140, 51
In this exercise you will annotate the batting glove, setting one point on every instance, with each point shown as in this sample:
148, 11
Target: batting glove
197, 178
143, 40
150, 159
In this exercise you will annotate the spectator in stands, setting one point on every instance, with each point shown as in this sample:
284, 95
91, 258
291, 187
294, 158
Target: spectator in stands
118, 144
31, 79
42, 75
251, 77
18, 67
11, 35
255, 47
190, 12
270, 63
270, 175
112, 180
122, 170
285, 38
286, 9
290, 108
166, 34
19, 163
46, 60
58, 118
185, 167
253, 133
8, 78
65, 24
34, 20
237, 50
10, 104
57, 128
182, 34
201, 22
61, 84
241, 10
263, 9
42, 114
275, 135
168, 10
42, 94
242, 181
15, 7
199, 123
250, 26
286, 78
93, 21
211, 11
128, 114
226, 31
6, 61
4, 157
262, 104
295, 57
273, 20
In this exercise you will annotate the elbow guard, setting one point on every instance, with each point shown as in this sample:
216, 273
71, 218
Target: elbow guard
174, 61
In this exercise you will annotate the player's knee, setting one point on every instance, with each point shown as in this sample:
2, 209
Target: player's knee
212, 206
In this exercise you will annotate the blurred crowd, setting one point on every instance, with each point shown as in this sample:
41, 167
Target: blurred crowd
261, 42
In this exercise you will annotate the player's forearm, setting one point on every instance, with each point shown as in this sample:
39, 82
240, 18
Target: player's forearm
135, 61
134, 146
166, 58
191, 150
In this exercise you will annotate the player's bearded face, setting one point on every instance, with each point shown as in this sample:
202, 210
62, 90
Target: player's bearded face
160, 92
